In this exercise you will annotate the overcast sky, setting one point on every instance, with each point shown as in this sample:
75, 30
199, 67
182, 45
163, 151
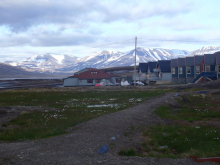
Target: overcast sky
29, 27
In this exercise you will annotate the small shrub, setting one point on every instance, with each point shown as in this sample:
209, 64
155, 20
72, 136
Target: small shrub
4, 125
130, 152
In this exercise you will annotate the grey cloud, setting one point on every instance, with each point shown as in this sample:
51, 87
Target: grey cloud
10, 41
95, 31
49, 40
135, 11
20, 16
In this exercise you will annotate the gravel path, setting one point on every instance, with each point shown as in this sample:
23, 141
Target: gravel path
81, 145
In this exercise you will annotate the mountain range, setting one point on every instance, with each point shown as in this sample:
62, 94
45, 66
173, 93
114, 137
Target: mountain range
58, 63
66, 64
7, 71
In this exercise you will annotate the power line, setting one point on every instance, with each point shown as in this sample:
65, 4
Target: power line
177, 40
103, 45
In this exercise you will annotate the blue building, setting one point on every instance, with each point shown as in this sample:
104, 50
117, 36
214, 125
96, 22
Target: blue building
190, 69
198, 64
154, 71
181, 70
194, 69
174, 70
218, 64
164, 70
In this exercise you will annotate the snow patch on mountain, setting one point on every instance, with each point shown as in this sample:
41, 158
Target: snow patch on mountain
59, 58
45, 63
206, 50
106, 58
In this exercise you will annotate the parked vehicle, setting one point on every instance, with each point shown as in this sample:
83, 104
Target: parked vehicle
144, 83
137, 83
125, 83
131, 83
117, 84
140, 83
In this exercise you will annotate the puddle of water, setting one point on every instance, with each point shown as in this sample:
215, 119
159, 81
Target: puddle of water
104, 105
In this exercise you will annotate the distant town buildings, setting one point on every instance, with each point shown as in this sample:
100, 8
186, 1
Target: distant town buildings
154, 71
190, 69
91, 77
198, 68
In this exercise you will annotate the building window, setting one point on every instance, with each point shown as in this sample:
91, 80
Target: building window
197, 69
94, 72
97, 81
80, 81
89, 81
188, 70
118, 80
219, 69
180, 70
207, 68
173, 70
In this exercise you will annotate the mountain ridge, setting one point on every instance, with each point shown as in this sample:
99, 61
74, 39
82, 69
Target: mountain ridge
105, 58
206, 50
63, 63
8, 71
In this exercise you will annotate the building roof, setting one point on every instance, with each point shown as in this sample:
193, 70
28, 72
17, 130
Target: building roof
143, 67
152, 65
83, 70
217, 55
190, 61
118, 68
164, 65
94, 73
209, 59
181, 62
198, 59
174, 63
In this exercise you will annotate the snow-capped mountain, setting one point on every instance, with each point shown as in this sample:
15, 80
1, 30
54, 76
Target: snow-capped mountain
45, 63
95, 60
105, 59
58, 63
206, 50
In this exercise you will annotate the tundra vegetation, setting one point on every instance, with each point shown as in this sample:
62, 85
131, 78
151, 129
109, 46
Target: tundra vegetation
52, 112
192, 128
192, 125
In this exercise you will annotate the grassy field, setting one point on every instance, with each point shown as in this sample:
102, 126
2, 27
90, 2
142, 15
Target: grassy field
195, 107
180, 141
195, 130
57, 110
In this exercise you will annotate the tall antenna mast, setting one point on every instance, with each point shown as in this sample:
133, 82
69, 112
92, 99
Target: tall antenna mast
135, 61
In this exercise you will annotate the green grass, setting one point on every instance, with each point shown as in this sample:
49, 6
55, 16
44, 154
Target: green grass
184, 141
130, 152
165, 112
57, 110
194, 108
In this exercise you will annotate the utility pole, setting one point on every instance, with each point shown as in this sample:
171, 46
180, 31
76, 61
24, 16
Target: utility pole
135, 61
